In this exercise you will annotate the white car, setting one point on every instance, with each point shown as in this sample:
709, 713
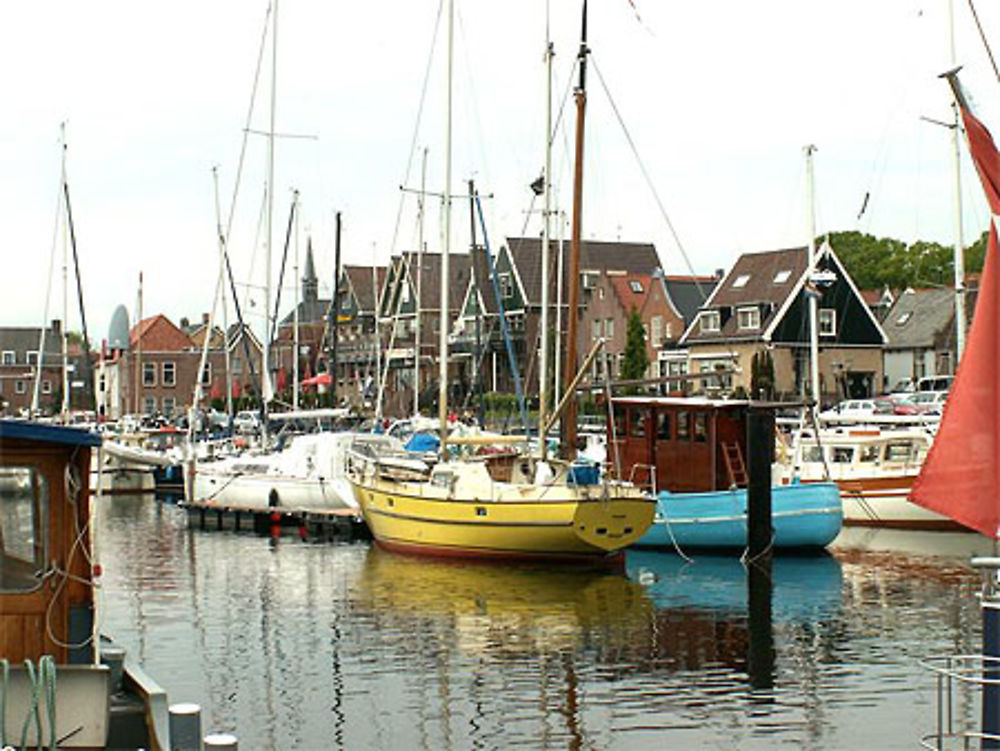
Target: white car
857, 409
246, 422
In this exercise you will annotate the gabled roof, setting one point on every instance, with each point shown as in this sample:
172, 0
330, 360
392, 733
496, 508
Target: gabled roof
924, 318
363, 284
595, 255
688, 293
631, 289
25, 339
429, 266
159, 334
774, 283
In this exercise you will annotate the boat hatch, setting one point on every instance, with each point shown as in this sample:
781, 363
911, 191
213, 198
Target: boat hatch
24, 514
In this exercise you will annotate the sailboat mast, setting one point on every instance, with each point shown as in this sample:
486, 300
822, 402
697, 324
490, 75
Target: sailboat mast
64, 407
138, 352
378, 337
295, 322
956, 160
813, 303
267, 392
420, 276
573, 277
221, 294
543, 358
446, 249
335, 315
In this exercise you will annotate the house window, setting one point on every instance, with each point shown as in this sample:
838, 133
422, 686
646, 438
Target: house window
741, 281
149, 405
206, 375
595, 330
169, 374
827, 322
149, 374
236, 364
506, 286
20, 387
32, 358
656, 325
748, 318
169, 404
782, 276
675, 368
709, 321
668, 331
636, 286
609, 328
47, 386
9, 357
600, 293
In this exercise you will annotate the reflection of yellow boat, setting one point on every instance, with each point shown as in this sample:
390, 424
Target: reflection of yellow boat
507, 609
462, 512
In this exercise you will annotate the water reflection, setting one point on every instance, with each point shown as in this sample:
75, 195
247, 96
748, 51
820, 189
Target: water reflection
345, 646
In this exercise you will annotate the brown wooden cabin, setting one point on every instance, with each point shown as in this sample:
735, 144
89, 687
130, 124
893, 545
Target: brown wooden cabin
694, 445
45, 544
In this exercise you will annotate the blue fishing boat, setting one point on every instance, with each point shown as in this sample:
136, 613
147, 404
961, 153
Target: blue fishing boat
691, 451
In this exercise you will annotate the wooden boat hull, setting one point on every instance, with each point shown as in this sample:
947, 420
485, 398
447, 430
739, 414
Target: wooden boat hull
567, 524
804, 516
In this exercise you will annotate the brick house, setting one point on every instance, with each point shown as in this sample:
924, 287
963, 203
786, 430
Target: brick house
19, 370
762, 304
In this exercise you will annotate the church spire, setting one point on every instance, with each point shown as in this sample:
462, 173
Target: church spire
310, 284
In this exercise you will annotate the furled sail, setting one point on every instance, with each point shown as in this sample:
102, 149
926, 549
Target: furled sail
961, 476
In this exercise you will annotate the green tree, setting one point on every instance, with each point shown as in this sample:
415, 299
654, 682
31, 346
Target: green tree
636, 360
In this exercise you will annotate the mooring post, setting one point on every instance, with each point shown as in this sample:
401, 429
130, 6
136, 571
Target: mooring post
185, 727
989, 567
760, 457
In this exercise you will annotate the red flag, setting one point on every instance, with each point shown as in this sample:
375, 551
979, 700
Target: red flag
961, 476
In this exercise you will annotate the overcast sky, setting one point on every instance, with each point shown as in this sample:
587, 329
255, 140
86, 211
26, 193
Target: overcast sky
718, 98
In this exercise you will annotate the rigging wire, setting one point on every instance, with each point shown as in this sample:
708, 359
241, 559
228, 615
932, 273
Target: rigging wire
986, 44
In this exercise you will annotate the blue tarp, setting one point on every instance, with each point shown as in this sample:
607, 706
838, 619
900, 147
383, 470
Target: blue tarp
420, 442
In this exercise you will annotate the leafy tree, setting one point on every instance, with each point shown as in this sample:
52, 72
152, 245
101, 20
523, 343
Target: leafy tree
636, 360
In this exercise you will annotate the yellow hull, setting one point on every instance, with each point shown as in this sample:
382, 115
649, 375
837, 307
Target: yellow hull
557, 522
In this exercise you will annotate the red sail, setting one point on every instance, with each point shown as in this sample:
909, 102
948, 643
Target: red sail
961, 476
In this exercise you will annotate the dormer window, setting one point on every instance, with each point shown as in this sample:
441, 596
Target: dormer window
741, 281
748, 318
708, 321
636, 286
506, 286
782, 276
901, 321
827, 322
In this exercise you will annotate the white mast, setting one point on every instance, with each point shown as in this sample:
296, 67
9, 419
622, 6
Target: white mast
445, 277
960, 322
420, 276
220, 292
559, 303
543, 371
267, 392
378, 338
813, 302
295, 313
64, 408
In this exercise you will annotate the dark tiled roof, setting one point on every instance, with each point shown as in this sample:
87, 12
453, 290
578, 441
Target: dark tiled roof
688, 294
459, 271
363, 283
595, 255
22, 340
927, 316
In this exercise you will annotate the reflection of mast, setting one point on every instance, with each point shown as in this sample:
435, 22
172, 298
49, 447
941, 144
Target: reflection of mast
573, 277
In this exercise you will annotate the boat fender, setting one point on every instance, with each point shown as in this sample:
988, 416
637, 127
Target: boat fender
273, 499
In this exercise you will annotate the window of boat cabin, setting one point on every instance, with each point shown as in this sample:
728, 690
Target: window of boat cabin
701, 426
899, 451
842, 454
869, 454
812, 453
663, 426
620, 423
24, 513
637, 422
683, 426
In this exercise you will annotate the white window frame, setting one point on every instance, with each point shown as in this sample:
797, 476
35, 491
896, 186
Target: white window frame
752, 321
709, 322
9, 357
826, 322
656, 329
148, 368
46, 386
782, 276
149, 405
506, 283
741, 281
609, 328
169, 406
595, 329
32, 356
172, 381
20, 387
206, 375
636, 286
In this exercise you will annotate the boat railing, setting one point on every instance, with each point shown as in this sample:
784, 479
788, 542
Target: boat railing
650, 471
958, 678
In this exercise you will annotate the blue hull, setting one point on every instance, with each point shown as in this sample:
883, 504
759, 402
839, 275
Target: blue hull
804, 516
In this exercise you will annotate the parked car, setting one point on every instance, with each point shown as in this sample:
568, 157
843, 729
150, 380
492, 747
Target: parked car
922, 403
858, 409
935, 383
246, 422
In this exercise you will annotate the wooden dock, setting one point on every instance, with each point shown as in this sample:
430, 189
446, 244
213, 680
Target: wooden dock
308, 524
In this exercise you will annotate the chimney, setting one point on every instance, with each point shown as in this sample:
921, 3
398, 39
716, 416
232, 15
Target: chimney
185, 323
204, 318
719, 273
56, 327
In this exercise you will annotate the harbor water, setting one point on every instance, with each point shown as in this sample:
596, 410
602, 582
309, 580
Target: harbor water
292, 644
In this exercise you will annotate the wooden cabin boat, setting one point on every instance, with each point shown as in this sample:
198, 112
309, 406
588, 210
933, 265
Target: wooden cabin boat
691, 453
48, 634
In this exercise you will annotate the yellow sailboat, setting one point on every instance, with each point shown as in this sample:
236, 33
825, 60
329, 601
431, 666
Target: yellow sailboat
461, 510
